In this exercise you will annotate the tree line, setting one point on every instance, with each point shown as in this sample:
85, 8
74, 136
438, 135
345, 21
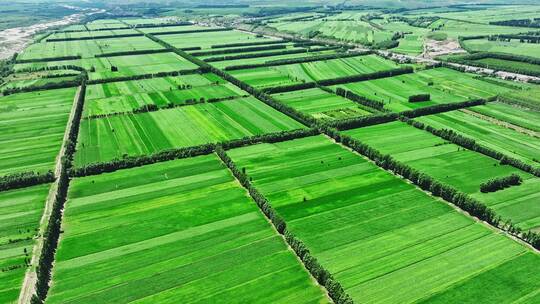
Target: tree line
60, 58
473, 59
25, 179
255, 55
375, 104
53, 230
130, 53
192, 31
444, 107
322, 275
296, 60
534, 22
499, 183
93, 37
179, 153
145, 76
237, 50
239, 44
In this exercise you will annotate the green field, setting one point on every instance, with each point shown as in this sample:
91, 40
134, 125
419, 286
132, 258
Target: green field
525, 118
20, 211
321, 105
312, 71
507, 141
126, 96
511, 47
260, 60
175, 232
32, 127
91, 34
452, 165
346, 211
206, 40
87, 48
444, 86
104, 139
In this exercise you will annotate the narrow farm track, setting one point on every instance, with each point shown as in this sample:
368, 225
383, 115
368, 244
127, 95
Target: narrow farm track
29, 283
502, 123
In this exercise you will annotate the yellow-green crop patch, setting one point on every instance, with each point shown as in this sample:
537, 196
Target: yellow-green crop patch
174, 232
321, 104
104, 139
376, 233
273, 76
20, 211
32, 127
463, 169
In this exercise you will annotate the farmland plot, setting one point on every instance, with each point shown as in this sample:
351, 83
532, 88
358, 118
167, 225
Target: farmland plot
206, 40
312, 71
91, 34
496, 137
321, 104
180, 231
126, 96
259, 60
443, 85
32, 128
20, 211
525, 118
346, 212
104, 139
511, 47
463, 169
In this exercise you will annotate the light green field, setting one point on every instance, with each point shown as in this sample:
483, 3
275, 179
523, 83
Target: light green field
456, 28
312, 71
498, 138
105, 24
93, 34
511, 47
522, 117
175, 232
346, 212
321, 105
448, 86
32, 127
88, 48
20, 211
206, 40
131, 65
259, 60
463, 169
154, 30
113, 137
126, 96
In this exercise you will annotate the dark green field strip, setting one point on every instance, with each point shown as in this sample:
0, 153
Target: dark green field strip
345, 210
147, 133
461, 168
20, 211
32, 127
197, 239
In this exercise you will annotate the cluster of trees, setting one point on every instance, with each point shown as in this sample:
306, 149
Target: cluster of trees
323, 276
94, 37
500, 183
388, 44
145, 76
128, 53
534, 22
369, 76
419, 97
440, 108
378, 105
24, 179
53, 230
296, 60
363, 121
238, 50
47, 86
240, 44
48, 59
193, 31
